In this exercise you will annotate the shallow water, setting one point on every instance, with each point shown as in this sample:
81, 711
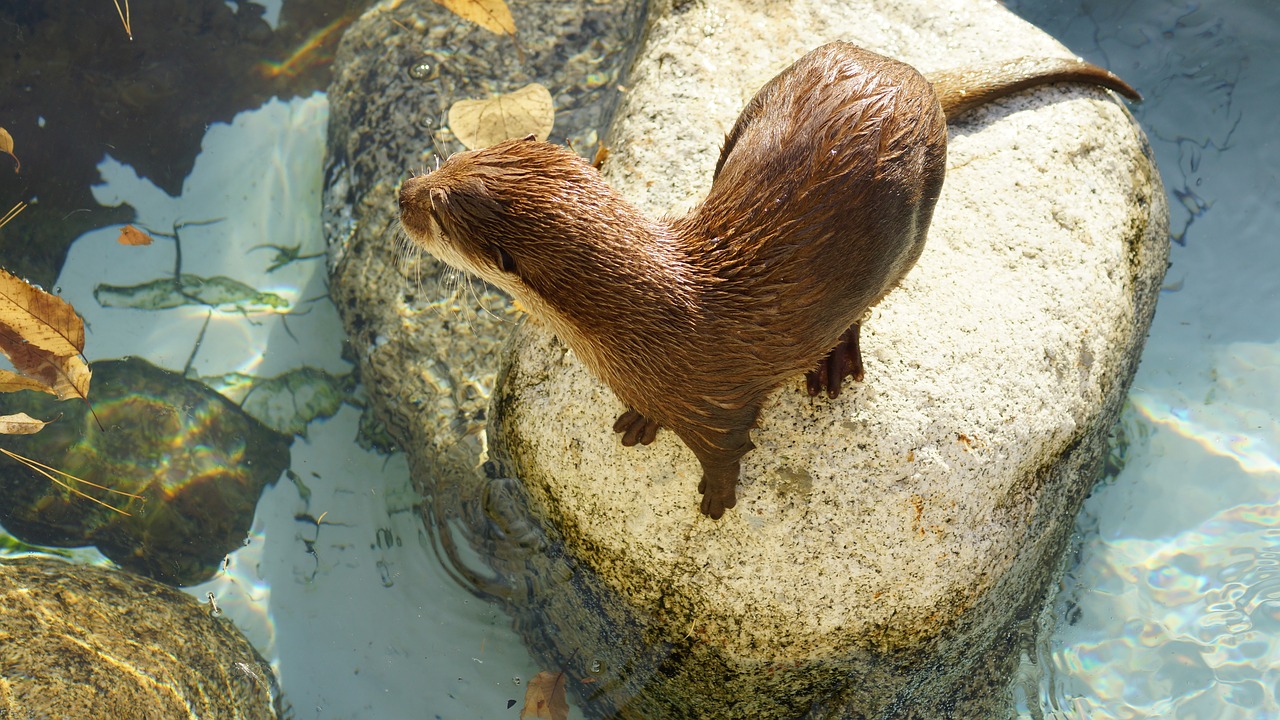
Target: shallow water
1169, 607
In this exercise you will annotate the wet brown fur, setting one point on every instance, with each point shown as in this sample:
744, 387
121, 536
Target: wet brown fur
820, 204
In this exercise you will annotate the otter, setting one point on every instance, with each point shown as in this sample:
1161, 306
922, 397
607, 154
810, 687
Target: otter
820, 204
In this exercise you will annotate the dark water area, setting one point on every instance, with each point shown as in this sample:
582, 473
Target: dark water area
76, 87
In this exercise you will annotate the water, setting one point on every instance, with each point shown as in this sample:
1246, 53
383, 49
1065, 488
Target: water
1170, 605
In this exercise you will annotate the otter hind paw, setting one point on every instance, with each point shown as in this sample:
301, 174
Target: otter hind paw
716, 498
844, 360
635, 428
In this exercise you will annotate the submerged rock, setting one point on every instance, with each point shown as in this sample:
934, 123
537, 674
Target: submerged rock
88, 642
886, 547
196, 459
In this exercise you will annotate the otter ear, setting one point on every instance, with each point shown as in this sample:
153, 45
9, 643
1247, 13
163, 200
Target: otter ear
438, 198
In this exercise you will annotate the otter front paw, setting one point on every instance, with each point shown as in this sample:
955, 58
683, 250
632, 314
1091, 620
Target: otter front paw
845, 359
635, 428
717, 496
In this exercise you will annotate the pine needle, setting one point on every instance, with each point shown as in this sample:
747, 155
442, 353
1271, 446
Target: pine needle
47, 471
124, 17
13, 213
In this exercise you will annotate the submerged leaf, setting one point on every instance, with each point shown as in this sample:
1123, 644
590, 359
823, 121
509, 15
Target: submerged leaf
481, 123
492, 15
287, 403
545, 698
218, 291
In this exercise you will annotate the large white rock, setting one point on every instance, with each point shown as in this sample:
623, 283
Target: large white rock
895, 534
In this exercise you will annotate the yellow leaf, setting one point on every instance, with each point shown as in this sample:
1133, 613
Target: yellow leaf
544, 698
20, 424
38, 318
130, 235
71, 377
6, 147
523, 112
492, 15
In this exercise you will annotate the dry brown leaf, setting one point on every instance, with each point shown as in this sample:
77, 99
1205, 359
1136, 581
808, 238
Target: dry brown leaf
20, 424
43, 337
492, 15
544, 698
523, 112
12, 382
6, 147
602, 154
130, 235
66, 376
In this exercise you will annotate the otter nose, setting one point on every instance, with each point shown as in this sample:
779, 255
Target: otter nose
415, 205
408, 190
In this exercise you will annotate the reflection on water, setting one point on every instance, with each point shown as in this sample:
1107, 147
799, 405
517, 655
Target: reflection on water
1174, 611
193, 465
1231, 417
1183, 626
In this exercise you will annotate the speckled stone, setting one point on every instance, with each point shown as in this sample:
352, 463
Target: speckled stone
901, 532
887, 548
79, 641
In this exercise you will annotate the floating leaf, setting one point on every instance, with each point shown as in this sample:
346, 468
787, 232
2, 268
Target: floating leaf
130, 235
218, 291
6, 147
43, 337
492, 15
20, 424
44, 320
481, 123
544, 698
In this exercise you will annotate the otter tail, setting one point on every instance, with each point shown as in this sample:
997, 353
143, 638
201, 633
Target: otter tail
962, 89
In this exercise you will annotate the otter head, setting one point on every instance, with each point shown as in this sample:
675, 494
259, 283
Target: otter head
537, 221
507, 213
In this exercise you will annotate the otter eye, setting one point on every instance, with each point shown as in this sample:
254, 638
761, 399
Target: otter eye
506, 263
